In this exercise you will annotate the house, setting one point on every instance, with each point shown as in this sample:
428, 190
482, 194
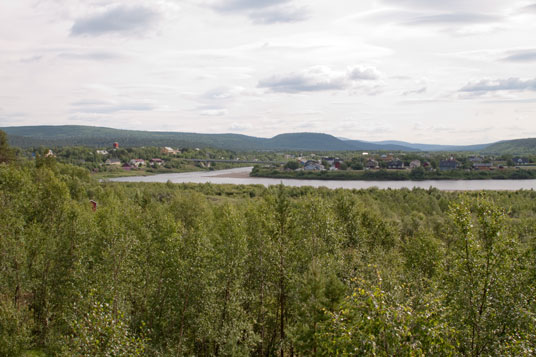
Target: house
450, 164
371, 164
102, 152
414, 164
50, 153
170, 151
482, 166
113, 162
156, 162
137, 162
116, 145
475, 159
329, 160
396, 165
313, 166
520, 161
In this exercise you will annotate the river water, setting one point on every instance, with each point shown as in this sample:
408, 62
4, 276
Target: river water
238, 176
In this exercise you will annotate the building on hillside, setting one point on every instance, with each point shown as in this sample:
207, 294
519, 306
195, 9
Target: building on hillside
50, 153
170, 151
520, 161
116, 145
157, 162
476, 159
396, 165
113, 162
102, 152
372, 164
313, 166
482, 166
450, 164
137, 162
414, 164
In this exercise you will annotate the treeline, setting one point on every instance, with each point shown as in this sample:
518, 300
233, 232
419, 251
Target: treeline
418, 174
185, 269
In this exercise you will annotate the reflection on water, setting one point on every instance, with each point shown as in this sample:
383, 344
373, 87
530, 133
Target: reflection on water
215, 177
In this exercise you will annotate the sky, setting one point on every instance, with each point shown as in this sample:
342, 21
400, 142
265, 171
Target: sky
428, 71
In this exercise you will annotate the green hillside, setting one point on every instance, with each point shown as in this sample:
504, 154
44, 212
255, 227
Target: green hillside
519, 146
68, 135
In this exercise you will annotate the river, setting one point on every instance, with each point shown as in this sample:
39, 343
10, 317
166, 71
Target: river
239, 176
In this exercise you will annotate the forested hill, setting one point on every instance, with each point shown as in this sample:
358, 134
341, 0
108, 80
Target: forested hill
519, 146
68, 135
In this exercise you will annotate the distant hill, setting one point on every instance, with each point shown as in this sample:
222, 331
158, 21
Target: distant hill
518, 146
307, 141
68, 135
375, 146
433, 147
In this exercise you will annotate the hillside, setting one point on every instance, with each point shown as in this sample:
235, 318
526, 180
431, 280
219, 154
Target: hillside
27, 136
68, 135
434, 147
519, 146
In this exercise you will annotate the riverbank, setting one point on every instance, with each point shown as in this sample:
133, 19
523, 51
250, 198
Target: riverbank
396, 175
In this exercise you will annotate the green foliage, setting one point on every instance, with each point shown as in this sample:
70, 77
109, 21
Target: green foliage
7, 154
101, 332
15, 328
370, 321
187, 269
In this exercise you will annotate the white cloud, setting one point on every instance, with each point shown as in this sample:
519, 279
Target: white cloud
121, 19
494, 85
264, 11
521, 56
214, 112
318, 78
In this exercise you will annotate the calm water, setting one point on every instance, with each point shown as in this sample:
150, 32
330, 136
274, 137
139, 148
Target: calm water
212, 177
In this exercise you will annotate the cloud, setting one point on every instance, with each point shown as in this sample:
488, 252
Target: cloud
318, 78
509, 84
214, 112
279, 14
453, 18
115, 20
263, 11
239, 127
102, 107
417, 91
521, 56
449, 5
529, 9
92, 56
241, 5
223, 93
363, 73
31, 59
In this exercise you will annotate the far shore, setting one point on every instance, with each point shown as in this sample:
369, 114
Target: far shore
233, 175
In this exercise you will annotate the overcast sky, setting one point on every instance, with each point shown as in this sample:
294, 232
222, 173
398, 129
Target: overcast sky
430, 71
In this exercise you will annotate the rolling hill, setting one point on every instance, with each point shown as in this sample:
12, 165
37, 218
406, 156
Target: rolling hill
27, 136
518, 146
68, 135
433, 147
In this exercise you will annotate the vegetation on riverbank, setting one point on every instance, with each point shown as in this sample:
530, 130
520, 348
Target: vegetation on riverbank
395, 175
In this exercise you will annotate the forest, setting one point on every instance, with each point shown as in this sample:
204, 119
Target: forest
230, 270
